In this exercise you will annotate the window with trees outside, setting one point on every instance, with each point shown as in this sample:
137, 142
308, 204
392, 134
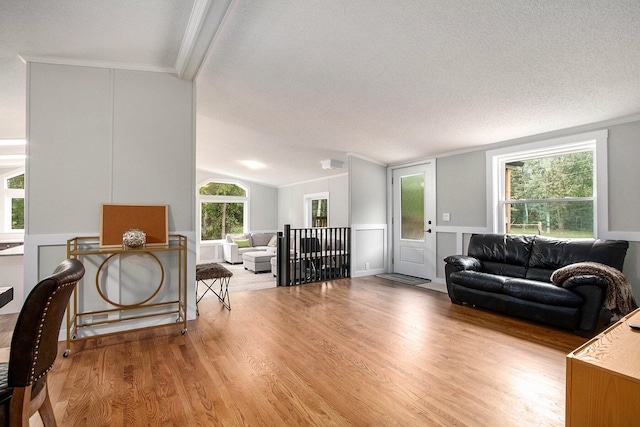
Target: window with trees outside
547, 189
223, 209
317, 210
319, 213
14, 203
551, 196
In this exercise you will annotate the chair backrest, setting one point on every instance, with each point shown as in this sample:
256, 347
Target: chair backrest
34, 345
310, 244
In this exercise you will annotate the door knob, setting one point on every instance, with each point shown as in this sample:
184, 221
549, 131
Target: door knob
428, 231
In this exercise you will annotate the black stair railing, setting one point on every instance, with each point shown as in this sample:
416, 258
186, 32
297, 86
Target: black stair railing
313, 254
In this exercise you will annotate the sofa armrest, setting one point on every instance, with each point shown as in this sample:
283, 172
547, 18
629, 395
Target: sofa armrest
573, 282
230, 253
456, 263
464, 262
593, 290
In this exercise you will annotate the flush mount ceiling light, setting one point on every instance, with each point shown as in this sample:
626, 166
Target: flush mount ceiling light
252, 164
331, 164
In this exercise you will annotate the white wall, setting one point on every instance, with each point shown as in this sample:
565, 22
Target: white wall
367, 191
368, 217
291, 207
104, 135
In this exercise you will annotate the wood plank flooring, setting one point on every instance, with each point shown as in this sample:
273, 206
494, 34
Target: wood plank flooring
356, 352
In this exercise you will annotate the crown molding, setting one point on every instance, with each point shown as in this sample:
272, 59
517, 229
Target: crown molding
366, 158
96, 64
315, 180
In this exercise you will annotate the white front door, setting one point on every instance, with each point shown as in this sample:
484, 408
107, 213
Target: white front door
414, 220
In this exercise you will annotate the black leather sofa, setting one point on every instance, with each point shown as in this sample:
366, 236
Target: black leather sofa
511, 274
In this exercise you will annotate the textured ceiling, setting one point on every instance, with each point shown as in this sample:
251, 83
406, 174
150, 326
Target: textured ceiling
290, 83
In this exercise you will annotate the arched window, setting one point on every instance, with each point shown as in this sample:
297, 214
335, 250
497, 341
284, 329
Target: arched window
223, 209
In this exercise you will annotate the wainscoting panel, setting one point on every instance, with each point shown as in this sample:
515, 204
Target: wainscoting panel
368, 249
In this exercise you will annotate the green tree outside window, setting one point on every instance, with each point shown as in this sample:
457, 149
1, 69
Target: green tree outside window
17, 203
219, 217
538, 188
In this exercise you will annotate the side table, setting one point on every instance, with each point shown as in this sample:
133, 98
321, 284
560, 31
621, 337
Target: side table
603, 378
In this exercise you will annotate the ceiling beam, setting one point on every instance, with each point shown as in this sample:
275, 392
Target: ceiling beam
207, 17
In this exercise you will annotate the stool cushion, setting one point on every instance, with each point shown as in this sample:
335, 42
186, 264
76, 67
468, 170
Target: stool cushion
211, 270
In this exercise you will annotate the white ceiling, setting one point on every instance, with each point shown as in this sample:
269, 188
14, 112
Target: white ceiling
290, 83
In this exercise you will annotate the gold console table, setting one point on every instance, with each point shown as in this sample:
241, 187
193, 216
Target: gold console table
79, 321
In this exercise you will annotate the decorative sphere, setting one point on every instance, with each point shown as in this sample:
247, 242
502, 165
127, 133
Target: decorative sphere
134, 239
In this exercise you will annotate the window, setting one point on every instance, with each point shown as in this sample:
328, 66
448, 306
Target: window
412, 207
317, 210
223, 209
319, 213
547, 188
14, 203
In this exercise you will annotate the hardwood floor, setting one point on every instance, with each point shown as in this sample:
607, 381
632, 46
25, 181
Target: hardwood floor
356, 352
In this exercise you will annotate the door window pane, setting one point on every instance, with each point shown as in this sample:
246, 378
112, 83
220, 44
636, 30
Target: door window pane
412, 207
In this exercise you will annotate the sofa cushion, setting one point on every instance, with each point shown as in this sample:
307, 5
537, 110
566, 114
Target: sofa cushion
261, 239
549, 254
243, 251
541, 292
273, 242
242, 243
231, 237
609, 252
481, 281
503, 269
529, 290
502, 253
259, 256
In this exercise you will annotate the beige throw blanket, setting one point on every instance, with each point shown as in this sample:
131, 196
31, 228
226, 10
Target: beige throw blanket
619, 299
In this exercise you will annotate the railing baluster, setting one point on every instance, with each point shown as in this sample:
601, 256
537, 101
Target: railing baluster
313, 254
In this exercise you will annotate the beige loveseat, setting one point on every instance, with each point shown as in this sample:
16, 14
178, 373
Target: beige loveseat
237, 244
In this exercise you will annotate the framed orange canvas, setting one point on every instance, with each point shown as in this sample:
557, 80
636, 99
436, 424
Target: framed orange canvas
115, 219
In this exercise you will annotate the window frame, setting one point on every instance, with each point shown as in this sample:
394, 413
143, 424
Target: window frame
201, 198
308, 203
591, 141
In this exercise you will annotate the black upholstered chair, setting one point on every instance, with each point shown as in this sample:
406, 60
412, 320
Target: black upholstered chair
34, 347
